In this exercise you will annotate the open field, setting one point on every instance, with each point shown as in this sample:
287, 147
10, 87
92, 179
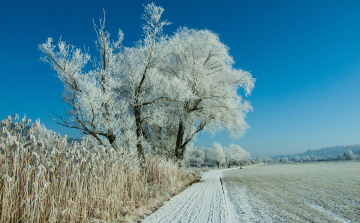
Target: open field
316, 192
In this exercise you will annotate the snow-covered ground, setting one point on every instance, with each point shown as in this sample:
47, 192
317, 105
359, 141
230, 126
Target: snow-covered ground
315, 192
202, 202
278, 193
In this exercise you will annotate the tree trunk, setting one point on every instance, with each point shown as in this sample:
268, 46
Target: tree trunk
179, 149
140, 150
112, 141
218, 164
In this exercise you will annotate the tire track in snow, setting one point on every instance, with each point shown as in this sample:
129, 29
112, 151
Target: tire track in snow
201, 202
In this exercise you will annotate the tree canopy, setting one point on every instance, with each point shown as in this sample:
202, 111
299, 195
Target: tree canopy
156, 95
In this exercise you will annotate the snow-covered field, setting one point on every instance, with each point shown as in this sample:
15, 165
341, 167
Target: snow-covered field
317, 192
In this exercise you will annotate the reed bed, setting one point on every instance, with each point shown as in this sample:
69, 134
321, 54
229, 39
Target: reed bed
43, 179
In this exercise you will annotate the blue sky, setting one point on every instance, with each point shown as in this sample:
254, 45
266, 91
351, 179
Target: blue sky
305, 56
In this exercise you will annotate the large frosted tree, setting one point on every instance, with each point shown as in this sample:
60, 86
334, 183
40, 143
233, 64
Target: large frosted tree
159, 93
123, 90
200, 60
93, 103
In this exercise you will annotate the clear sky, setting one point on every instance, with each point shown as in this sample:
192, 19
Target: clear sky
305, 56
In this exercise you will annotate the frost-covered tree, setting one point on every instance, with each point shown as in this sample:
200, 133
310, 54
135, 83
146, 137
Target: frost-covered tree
123, 89
90, 94
204, 64
296, 159
219, 154
267, 160
194, 156
209, 155
234, 154
157, 94
349, 155
261, 159
227, 154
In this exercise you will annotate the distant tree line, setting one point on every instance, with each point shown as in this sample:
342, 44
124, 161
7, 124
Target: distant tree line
346, 156
218, 156
329, 153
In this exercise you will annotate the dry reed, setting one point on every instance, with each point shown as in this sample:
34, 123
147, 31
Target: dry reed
42, 179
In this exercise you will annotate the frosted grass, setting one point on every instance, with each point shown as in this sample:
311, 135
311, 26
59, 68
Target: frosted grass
319, 192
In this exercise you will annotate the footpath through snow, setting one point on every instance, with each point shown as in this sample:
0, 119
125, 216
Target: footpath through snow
206, 201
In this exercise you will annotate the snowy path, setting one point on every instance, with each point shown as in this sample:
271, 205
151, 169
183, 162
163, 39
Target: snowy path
202, 202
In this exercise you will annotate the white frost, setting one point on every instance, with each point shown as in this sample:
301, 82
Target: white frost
202, 202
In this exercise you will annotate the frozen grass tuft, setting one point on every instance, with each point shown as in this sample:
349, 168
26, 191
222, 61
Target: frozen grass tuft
45, 180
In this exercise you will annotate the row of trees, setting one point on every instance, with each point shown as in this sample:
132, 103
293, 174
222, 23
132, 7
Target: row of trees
347, 155
216, 156
155, 96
